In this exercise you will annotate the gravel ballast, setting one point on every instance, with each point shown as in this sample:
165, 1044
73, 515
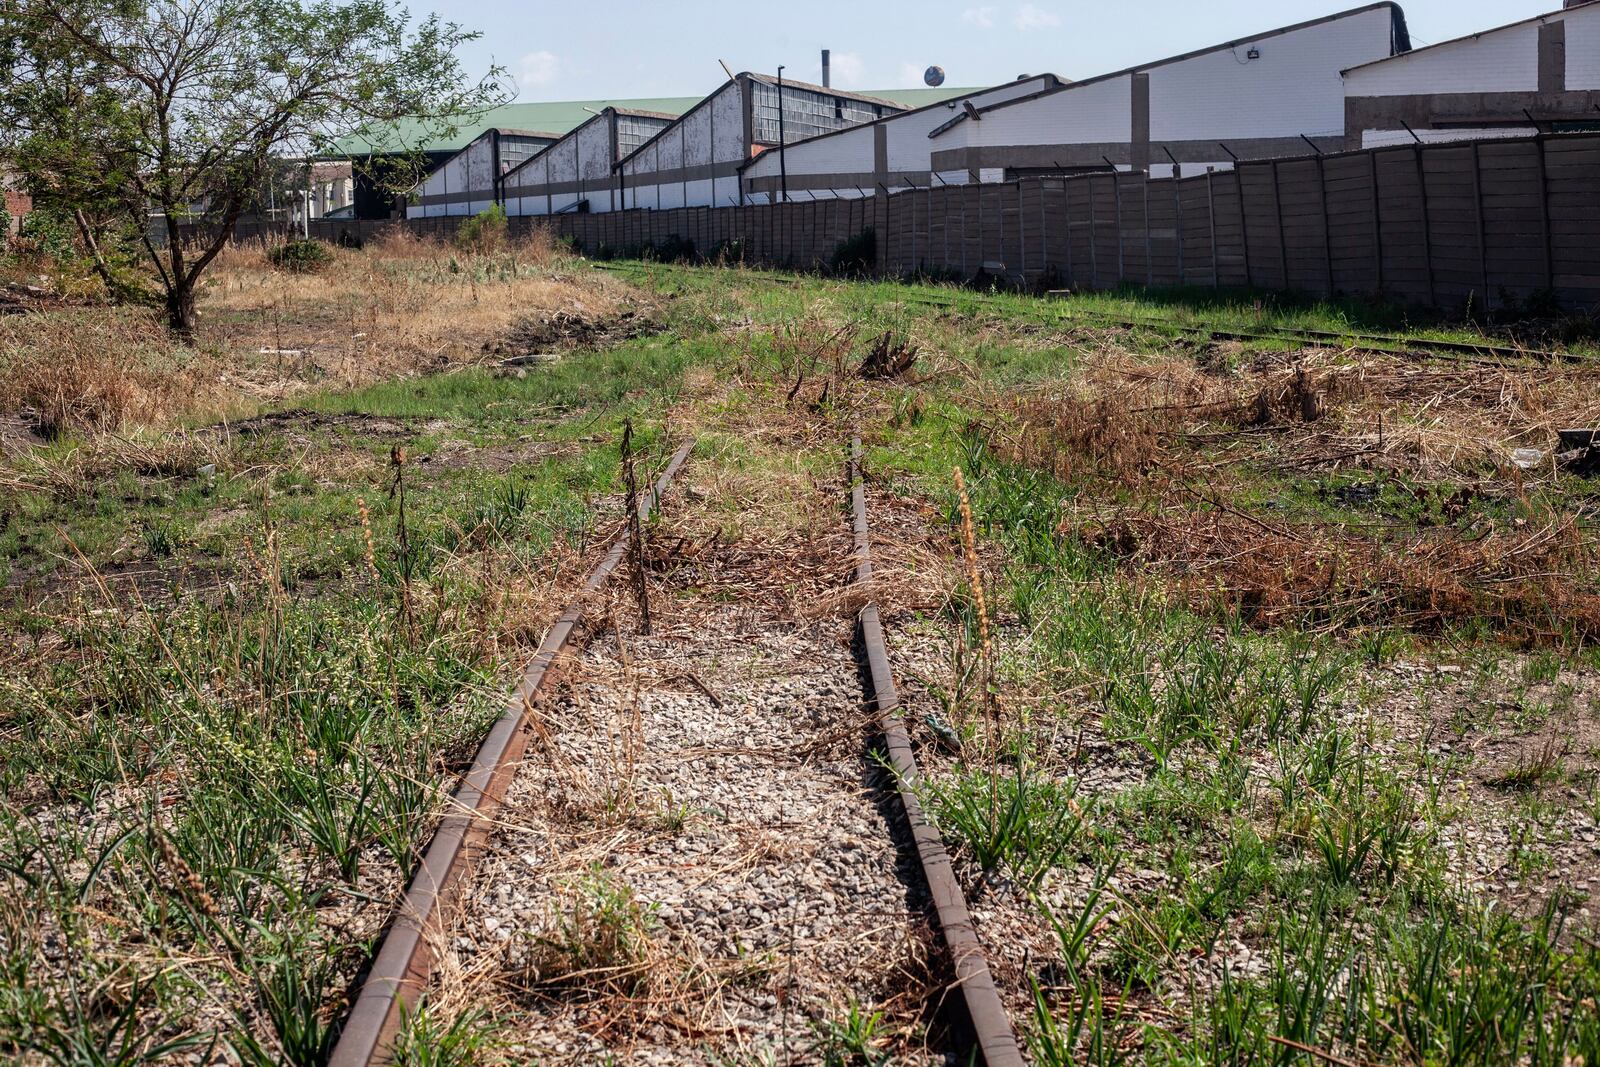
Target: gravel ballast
697, 861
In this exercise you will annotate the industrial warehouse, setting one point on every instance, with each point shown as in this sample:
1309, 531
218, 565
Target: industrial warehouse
580, 168
470, 181
1329, 156
1346, 80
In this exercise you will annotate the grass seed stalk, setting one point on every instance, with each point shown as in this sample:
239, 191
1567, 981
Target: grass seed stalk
397, 492
969, 550
369, 552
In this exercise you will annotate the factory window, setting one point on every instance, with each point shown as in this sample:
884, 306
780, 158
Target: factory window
633, 131
514, 150
805, 113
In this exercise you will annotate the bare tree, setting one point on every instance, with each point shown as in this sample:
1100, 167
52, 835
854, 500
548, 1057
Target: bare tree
121, 108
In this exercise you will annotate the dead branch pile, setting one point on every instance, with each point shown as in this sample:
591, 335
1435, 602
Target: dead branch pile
1121, 417
889, 357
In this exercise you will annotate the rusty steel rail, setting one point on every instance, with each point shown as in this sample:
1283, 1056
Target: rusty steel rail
996, 1039
405, 960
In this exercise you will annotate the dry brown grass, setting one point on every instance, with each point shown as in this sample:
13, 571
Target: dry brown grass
1527, 582
1165, 455
1123, 416
401, 306
97, 369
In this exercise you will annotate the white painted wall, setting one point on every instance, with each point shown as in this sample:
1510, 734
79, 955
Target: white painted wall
712, 133
1079, 114
832, 154
1504, 60
727, 121
1583, 47
469, 170
520, 200
591, 149
908, 144
1293, 88
582, 158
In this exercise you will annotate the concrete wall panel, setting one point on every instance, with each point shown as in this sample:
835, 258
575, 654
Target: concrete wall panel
1292, 87
1504, 60
1583, 48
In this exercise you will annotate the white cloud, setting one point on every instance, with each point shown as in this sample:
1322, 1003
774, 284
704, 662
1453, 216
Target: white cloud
848, 70
981, 17
537, 69
910, 74
1033, 17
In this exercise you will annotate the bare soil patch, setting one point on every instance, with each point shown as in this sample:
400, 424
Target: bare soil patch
573, 327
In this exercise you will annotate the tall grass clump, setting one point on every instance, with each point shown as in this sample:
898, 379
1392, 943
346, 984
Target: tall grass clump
1021, 823
484, 233
94, 370
246, 766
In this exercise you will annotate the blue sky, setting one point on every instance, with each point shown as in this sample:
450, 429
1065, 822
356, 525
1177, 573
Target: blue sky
623, 48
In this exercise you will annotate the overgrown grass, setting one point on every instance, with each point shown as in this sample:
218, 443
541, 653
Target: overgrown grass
1267, 812
1275, 873
236, 689
1218, 845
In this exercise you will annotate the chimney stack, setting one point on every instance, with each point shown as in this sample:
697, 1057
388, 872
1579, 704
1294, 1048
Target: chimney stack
825, 81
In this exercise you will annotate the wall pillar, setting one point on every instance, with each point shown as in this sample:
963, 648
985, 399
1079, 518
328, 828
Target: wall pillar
1139, 144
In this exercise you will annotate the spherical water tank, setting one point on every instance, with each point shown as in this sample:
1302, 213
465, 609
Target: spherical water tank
933, 76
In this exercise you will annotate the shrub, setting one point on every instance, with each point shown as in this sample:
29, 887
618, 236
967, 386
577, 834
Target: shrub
484, 232
729, 251
48, 233
857, 254
673, 248
300, 257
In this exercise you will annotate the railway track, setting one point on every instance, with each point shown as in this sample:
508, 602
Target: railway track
1374, 343
700, 859
406, 958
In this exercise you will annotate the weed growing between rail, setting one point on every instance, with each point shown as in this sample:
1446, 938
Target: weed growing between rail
1295, 670
238, 685
1272, 740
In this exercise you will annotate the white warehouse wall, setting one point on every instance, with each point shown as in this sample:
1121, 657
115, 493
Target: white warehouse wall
727, 118
1545, 68
1192, 105
469, 170
1503, 61
1583, 47
1089, 113
851, 156
577, 168
676, 167
1293, 88
592, 162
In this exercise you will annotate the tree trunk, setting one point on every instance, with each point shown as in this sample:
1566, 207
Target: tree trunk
180, 284
180, 309
100, 266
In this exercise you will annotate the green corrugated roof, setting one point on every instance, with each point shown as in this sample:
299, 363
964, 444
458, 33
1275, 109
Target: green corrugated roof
560, 116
